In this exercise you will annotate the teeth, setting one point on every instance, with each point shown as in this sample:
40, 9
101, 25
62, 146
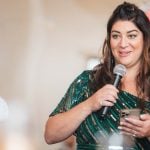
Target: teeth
124, 53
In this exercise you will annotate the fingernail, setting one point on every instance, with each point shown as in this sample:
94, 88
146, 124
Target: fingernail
141, 116
119, 127
121, 123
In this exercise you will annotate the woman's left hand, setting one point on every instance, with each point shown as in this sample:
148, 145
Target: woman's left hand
136, 127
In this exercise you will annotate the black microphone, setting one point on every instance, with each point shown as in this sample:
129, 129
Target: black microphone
119, 71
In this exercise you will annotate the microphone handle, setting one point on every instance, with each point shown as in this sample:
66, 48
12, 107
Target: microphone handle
105, 109
117, 80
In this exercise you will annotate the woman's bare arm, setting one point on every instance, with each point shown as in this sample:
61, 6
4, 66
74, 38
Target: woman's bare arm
63, 125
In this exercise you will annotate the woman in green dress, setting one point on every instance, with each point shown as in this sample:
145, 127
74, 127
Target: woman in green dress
79, 111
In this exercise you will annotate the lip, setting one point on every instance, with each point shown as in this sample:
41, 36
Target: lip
124, 53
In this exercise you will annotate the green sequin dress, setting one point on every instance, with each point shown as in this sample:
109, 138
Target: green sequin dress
96, 133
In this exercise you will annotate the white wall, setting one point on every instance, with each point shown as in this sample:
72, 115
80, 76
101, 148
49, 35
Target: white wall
44, 45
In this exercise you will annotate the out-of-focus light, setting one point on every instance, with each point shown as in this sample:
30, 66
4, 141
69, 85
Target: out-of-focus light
148, 14
17, 142
146, 8
92, 62
115, 148
3, 110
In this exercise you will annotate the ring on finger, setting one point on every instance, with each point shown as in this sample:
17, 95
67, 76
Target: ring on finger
134, 133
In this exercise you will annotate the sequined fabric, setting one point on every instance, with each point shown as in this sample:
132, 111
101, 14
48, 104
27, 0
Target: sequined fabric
96, 133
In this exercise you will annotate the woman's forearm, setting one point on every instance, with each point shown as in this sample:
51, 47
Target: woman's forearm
63, 125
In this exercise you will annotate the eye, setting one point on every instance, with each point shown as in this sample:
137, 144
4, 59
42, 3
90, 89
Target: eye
115, 36
132, 36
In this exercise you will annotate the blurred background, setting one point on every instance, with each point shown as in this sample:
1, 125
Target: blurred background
44, 45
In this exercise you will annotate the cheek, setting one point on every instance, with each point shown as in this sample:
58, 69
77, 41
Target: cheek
113, 44
139, 45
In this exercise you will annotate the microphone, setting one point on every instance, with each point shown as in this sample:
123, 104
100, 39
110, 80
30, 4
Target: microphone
119, 71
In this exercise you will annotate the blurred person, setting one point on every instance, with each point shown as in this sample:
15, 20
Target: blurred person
78, 113
148, 14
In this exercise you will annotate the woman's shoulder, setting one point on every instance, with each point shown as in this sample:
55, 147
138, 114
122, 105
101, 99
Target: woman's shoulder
83, 80
86, 73
84, 76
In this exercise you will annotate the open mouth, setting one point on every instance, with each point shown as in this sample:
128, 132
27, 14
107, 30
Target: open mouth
124, 53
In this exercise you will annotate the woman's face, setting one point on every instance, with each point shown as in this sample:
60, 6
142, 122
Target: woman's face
126, 42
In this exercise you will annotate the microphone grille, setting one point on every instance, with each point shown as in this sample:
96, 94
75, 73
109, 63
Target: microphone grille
119, 69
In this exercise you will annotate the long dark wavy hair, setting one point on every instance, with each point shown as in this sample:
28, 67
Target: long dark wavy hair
104, 71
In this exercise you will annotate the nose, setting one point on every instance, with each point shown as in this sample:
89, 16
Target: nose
123, 42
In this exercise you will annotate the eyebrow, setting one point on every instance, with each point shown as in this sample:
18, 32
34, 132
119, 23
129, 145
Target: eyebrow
127, 32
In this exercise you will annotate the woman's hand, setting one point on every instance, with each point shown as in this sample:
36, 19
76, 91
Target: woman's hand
106, 96
136, 127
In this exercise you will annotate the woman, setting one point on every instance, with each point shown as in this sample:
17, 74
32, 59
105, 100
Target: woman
127, 43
